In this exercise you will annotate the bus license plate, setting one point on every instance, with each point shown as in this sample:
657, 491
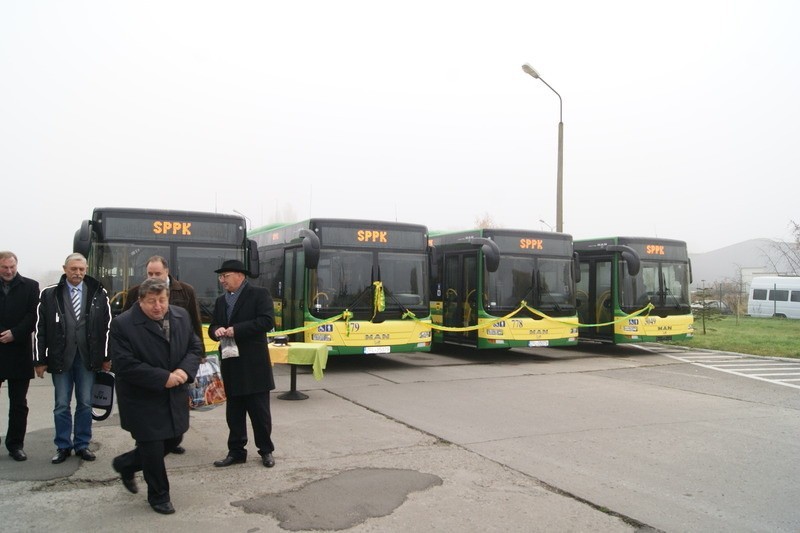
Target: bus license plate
377, 349
538, 343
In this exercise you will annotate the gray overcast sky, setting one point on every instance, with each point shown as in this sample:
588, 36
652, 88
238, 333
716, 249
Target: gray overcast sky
681, 119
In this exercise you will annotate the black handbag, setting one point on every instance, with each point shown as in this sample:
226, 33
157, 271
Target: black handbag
102, 395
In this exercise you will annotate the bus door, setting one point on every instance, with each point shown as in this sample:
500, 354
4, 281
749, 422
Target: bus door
604, 297
594, 298
460, 296
293, 301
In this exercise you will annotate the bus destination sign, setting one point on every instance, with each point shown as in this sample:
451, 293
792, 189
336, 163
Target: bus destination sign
148, 229
390, 238
531, 244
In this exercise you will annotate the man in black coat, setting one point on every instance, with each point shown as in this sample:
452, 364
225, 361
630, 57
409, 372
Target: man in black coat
154, 353
244, 314
18, 299
180, 293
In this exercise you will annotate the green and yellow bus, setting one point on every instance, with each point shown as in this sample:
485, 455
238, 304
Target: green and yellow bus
502, 288
634, 289
117, 243
358, 286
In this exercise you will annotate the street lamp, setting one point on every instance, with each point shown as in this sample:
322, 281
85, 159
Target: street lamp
546, 224
560, 173
245, 216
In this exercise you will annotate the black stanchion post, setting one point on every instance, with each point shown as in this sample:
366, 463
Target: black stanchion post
293, 393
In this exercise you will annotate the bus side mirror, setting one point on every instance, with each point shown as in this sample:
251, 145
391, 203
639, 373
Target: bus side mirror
576, 267
310, 248
82, 242
629, 255
436, 258
253, 262
491, 253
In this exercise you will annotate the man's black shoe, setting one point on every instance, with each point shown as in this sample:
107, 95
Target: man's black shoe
180, 450
130, 484
61, 455
230, 460
127, 479
18, 454
268, 460
163, 508
85, 454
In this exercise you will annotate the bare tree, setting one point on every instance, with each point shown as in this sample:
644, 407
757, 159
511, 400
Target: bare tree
785, 256
485, 222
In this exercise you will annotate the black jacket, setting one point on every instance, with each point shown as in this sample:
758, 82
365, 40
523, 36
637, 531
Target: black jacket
18, 314
50, 335
252, 318
142, 360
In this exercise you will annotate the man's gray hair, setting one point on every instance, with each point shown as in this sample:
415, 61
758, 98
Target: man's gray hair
5, 254
73, 257
152, 286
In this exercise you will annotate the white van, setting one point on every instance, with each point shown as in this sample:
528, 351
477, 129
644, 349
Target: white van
777, 296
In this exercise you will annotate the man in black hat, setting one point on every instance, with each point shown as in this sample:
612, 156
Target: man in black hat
244, 314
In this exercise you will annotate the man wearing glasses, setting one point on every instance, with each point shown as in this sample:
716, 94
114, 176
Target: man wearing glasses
242, 317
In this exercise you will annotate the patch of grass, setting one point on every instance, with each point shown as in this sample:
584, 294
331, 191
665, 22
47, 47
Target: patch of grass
775, 337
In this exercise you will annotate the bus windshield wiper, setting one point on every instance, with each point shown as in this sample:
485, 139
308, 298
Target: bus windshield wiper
205, 310
668, 293
358, 297
531, 287
547, 292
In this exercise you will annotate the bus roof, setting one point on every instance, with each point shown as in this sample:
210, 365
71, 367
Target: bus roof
586, 243
510, 240
136, 211
127, 224
279, 234
782, 282
646, 247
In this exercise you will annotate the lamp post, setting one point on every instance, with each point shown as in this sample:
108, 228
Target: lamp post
546, 224
246, 217
560, 173
704, 304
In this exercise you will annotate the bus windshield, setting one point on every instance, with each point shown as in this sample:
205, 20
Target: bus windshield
543, 283
121, 266
344, 280
403, 277
664, 284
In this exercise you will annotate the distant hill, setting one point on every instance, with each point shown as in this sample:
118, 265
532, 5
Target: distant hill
753, 256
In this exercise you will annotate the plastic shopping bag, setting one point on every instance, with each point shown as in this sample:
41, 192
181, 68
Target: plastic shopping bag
207, 390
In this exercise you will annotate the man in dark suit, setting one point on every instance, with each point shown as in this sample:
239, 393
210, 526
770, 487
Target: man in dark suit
180, 294
18, 299
244, 314
154, 353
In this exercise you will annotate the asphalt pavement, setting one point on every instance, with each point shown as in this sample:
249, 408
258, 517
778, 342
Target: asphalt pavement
341, 466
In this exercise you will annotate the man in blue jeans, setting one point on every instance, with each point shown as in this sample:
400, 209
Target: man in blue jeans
71, 344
